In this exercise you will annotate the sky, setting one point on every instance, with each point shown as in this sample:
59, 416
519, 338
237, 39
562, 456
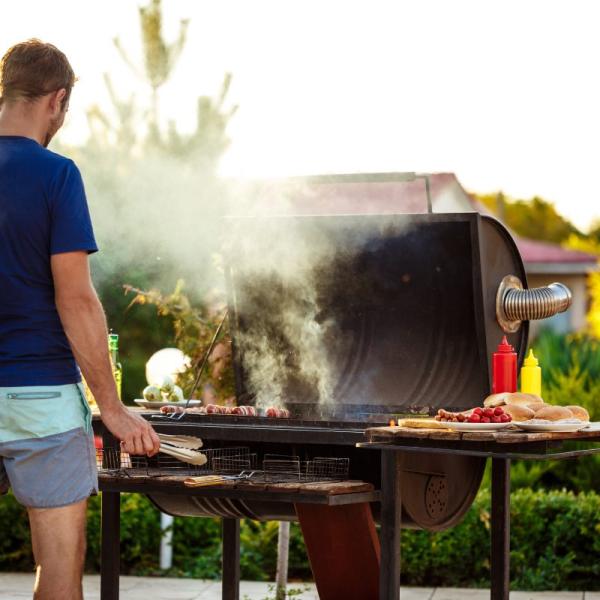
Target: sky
506, 94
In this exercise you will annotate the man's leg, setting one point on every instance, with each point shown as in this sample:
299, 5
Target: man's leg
58, 538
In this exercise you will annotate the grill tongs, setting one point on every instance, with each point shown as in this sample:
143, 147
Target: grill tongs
182, 447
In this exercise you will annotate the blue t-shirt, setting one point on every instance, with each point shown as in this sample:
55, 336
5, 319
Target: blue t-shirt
43, 211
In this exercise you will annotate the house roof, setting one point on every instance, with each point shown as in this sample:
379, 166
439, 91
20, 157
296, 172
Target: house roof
545, 257
539, 252
393, 193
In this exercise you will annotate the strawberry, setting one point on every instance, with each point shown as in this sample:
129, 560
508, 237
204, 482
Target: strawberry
478, 411
474, 418
505, 418
485, 419
498, 411
488, 412
496, 419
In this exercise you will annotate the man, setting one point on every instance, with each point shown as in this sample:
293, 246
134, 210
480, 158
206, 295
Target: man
51, 322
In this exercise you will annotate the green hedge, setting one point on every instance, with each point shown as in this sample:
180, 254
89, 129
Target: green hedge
555, 541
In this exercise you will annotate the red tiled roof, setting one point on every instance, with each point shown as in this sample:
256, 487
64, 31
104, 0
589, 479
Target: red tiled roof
534, 251
388, 194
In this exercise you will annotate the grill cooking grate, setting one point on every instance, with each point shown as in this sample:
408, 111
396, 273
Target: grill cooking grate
226, 461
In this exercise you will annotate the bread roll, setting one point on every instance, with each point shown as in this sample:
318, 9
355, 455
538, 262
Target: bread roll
554, 413
496, 400
535, 406
520, 399
516, 398
579, 412
518, 412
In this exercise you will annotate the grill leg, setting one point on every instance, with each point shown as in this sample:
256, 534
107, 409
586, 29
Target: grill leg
391, 513
111, 534
231, 559
500, 549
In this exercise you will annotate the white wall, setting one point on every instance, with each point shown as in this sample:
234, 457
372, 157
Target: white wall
575, 318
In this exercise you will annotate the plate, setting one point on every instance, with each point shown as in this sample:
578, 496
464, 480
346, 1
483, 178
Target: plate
157, 405
555, 426
458, 426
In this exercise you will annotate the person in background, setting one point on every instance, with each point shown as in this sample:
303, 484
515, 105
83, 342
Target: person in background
52, 324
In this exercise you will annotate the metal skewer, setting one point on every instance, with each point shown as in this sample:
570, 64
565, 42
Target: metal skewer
178, 416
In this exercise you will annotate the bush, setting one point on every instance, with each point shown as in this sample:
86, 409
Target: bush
555, 541
554, 545
571, 375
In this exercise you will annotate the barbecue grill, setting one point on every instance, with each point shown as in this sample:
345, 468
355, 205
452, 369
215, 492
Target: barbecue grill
348, 322
410, 309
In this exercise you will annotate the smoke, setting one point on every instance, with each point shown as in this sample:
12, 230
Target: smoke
284, 340
156, 220
161, 219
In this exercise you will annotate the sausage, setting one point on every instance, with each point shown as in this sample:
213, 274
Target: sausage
246, 411
277, 413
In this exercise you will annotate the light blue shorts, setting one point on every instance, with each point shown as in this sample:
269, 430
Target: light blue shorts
47, 450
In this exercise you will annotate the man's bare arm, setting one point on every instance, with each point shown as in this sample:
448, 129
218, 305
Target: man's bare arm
84, 323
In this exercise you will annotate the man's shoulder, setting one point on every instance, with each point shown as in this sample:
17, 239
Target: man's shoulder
56, 160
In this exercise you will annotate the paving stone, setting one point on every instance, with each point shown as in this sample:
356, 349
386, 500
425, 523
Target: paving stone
547, 596
460, 594
416, 593
255, 590
15, 586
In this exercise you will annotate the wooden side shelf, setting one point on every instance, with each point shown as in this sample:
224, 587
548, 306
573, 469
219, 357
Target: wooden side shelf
502, 437
330, 493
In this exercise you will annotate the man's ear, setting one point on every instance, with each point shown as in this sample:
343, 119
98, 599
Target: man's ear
56, 102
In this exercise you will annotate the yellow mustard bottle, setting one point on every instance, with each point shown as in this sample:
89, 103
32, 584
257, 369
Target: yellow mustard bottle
531, 376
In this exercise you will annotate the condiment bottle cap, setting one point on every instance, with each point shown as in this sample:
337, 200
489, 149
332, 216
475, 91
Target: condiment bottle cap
531, 360
504, 346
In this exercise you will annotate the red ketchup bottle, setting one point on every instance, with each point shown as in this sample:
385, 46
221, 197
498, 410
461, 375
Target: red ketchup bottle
504, 368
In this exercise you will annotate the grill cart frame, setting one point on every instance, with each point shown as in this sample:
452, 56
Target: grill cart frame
393, 445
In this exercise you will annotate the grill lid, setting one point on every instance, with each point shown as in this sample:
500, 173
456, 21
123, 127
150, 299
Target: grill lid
362, 317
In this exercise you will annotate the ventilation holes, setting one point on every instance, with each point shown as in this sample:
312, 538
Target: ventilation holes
436, 497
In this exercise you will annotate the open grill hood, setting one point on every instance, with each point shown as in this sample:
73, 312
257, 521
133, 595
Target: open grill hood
401, 310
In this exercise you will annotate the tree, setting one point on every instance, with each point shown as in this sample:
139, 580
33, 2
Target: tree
536, 219
591, 245
154, 196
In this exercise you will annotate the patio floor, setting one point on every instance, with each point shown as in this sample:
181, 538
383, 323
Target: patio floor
14, 586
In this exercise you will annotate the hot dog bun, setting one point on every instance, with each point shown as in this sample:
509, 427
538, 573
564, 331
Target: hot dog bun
521, 399
554, 413
496, 400
516, 398
518, 412
579, 413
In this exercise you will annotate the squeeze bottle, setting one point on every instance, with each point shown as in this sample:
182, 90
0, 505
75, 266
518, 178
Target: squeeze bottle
531, 376
504, 368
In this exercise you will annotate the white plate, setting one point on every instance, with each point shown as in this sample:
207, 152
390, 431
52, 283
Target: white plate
465, 426
157, 405
555, 426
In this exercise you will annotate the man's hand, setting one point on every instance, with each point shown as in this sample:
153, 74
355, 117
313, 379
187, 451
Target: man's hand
137, 436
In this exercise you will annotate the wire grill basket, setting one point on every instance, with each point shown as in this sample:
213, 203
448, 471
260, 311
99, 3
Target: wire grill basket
117, 462
230, 462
